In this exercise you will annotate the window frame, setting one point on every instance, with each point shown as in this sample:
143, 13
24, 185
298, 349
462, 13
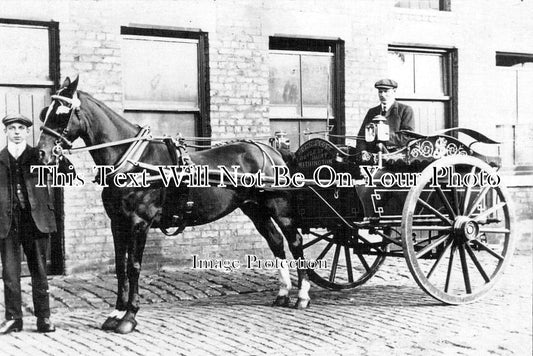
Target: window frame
451, 65
53, 51
294, 43
202, 112
444, 5
499, 56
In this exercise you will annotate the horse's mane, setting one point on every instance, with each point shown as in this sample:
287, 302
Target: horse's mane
106, 109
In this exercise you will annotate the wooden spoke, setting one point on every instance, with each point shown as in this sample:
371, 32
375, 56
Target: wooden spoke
488, 249
388, 238
439, 259
348, 263
363, 262
431, 238
435, 228
450, 265
456, 201
368, 243
480, 196
445, 201
321, 235
467, 193
476, 263
494, 230
435, 211
464, 266
314, 241
428, 198
335, 263
489, 211
325, 251
430, 247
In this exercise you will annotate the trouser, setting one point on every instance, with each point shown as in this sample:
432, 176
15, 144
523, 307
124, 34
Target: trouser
24, 233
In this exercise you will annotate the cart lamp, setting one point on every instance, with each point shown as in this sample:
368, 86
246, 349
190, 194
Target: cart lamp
378, 130
280, 141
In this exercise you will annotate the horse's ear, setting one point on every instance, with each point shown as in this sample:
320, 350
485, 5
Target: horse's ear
74, 84
66, 83
42, 115
70, 86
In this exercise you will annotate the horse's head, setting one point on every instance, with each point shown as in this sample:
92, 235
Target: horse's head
61, 122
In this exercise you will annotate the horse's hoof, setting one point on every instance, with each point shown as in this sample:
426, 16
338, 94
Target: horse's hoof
110, 323
282, 301
302, 303
126, 326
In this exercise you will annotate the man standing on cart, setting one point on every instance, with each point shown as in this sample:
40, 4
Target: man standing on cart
399, 116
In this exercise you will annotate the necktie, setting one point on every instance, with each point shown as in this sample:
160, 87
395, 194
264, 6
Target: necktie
383, 110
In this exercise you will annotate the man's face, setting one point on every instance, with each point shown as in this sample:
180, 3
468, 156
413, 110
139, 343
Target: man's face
16, 132
387, 95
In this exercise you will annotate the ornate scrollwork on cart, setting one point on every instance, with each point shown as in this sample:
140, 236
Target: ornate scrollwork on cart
436, 148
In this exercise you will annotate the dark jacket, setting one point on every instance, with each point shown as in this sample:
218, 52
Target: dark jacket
42, 209
399, 117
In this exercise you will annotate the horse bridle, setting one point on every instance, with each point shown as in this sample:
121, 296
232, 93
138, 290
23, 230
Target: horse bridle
63, 144
61, 138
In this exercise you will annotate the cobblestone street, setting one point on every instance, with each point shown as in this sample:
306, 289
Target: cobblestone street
212, 312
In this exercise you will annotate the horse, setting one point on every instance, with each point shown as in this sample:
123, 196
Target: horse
75, 114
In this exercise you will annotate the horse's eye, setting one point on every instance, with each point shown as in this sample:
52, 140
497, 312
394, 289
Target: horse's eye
62, 109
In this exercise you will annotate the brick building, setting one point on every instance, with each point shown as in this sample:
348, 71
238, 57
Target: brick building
242, 69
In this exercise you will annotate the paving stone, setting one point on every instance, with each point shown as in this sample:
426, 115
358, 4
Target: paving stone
187, 312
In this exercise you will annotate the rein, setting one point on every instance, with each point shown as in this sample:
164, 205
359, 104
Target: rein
132, 155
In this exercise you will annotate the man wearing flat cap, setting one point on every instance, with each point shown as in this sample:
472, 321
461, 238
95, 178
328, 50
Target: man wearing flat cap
399, 116
26, 219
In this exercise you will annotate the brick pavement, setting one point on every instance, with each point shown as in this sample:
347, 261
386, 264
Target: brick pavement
212, 312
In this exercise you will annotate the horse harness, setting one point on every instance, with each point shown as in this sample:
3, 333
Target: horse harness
178, 153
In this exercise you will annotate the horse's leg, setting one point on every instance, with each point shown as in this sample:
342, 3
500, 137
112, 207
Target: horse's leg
120, 240
282, 217
267, 229
295, 243
135, 252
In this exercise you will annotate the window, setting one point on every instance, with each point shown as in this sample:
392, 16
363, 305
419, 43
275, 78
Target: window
514, 75
424, 79
305, 87
165, 80
29, 70
442, 5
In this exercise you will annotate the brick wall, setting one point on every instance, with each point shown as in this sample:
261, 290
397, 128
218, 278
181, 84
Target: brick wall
238, 33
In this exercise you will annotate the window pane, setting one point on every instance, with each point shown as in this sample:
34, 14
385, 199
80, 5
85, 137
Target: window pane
505, 91
24, 52
525, 95
418, 4
401, 70
284, 85
149, 78
429, 115
317, 86
429, 74
162, 123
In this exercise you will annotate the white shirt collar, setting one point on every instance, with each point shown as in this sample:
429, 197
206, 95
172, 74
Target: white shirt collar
389, 105
16, 149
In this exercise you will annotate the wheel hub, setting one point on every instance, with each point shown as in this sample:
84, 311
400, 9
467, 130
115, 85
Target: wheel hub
465, 229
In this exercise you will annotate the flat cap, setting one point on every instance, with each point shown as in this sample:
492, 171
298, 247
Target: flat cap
13, 118
386, 83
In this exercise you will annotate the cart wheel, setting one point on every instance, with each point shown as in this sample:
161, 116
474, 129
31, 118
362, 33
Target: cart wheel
456, 235
350, 258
